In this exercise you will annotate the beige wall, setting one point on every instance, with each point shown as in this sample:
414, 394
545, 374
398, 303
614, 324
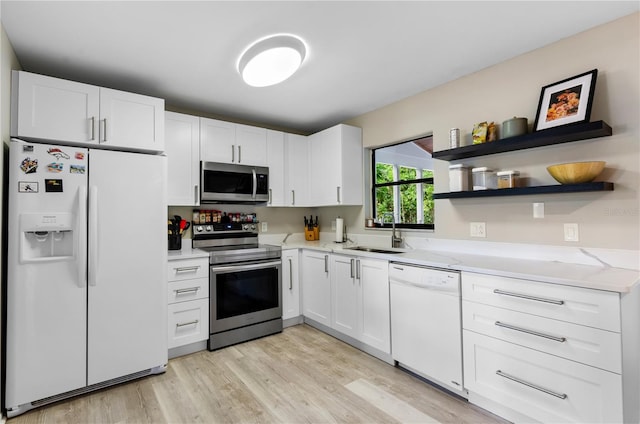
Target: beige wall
512, 88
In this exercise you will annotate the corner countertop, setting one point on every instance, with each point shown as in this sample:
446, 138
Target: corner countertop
598, 276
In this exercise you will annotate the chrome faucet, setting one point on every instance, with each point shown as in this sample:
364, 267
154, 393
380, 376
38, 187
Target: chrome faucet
396, 241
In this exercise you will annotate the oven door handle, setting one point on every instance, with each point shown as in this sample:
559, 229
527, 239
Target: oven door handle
244, 267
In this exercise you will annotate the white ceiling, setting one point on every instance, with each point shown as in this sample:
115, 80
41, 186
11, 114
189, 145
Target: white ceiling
362, 55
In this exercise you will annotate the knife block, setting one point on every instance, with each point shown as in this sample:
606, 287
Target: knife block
309, 235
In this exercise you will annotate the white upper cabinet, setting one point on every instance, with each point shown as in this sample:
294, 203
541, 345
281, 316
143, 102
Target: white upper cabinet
65, 111
182, 134
131, 120
275, 162
296, 185
335, 167
227, 142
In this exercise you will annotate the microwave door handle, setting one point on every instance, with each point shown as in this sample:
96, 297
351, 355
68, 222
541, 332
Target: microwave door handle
255, 183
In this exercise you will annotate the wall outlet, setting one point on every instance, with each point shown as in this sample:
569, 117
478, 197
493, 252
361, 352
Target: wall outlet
571, 232
538, 210
333, 225
477, 229
265, 227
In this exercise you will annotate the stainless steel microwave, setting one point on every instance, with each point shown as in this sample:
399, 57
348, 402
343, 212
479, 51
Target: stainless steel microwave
232, 183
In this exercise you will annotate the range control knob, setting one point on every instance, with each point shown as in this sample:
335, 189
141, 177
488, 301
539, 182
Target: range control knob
245, 227
208, 228
199, 228
253, 227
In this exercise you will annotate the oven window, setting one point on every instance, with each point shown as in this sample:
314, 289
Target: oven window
227, 182
244, 292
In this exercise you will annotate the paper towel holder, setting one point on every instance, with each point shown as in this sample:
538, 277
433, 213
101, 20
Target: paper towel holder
341, 231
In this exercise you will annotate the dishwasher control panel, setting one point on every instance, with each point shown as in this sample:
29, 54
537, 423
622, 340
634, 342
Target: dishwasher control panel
429, 278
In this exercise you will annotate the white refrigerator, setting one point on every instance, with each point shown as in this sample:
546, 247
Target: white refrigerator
86, 271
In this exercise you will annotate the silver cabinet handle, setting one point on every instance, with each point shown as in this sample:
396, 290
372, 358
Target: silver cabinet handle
239, 154
532, 332
104, 130
533, 386
270, 197
528, 297
358, 269
326, 263
189, 290
92, 121
352, 264
188, 268
233, 153
293, 197
290, 274
197, 193
183, 324
338, 194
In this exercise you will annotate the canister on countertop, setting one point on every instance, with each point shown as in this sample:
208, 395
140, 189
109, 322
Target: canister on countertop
483, 178
508, 179
454, 138
459, 178
513, 127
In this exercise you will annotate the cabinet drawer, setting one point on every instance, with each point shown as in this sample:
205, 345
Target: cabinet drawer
185, 290
541, 386
187, 269
593, 308
587, 345
188, 322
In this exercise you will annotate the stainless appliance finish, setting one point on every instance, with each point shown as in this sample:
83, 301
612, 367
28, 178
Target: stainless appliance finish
233, 183
245, 283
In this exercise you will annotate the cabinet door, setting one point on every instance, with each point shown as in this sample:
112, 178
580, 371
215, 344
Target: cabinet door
275, 162
344, 295
290, 284
297, 170
373, 304
188, 322
217, 141
251, 145
316, 287
324, 167
352, 184
131, 121
54, 109
182, 133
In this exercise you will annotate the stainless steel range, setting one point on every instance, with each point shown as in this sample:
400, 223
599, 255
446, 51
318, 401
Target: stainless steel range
245, 283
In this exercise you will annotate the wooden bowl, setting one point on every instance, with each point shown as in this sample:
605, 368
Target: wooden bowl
576, 172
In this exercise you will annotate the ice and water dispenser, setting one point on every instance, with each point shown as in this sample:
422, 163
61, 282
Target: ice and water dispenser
46, 237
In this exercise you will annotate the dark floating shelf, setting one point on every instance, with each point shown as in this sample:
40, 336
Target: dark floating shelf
559, 135
520, 191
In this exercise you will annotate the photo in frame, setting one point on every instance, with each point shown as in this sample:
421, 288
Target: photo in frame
566, 102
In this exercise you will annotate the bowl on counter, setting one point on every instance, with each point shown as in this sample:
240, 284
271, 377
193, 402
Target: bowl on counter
576, 172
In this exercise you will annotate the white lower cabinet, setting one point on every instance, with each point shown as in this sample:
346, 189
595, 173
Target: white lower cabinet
536, 351
290, 284
348, 294
540, 386
188, 294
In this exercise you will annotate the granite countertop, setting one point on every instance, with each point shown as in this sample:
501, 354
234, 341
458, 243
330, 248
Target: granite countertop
599, 277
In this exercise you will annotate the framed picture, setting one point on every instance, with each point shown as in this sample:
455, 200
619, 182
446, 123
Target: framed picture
566, 102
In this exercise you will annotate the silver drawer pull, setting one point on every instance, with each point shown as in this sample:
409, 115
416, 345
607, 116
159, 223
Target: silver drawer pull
188, 269
526, 296
533, 386
183, 324
189, 290
534, 333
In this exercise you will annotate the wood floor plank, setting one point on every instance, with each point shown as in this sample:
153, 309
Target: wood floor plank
298, 376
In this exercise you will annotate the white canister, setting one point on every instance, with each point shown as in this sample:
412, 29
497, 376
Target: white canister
458, 178
454, 138
484, 178
339, 230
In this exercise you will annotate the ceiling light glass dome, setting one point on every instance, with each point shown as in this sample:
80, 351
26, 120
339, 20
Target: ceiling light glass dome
271, 60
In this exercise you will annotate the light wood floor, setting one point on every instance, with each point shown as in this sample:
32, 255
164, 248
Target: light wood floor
299, 376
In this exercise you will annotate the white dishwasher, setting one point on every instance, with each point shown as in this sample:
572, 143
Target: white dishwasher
426, 333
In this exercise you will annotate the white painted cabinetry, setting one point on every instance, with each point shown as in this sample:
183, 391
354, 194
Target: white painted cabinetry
188, 294
54, 109
543, 352
226, 142
296, 159
182, 134
344, 294
316, 286
290, 284
335, 166
275, 162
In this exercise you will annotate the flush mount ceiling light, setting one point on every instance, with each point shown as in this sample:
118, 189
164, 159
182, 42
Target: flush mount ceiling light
271, 60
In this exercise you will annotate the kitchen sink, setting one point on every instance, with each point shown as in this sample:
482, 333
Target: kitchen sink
372, 249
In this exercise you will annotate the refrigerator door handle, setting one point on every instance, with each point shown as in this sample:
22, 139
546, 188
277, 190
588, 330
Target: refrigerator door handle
93, 236
82, 237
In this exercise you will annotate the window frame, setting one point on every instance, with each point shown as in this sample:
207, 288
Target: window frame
375, 186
